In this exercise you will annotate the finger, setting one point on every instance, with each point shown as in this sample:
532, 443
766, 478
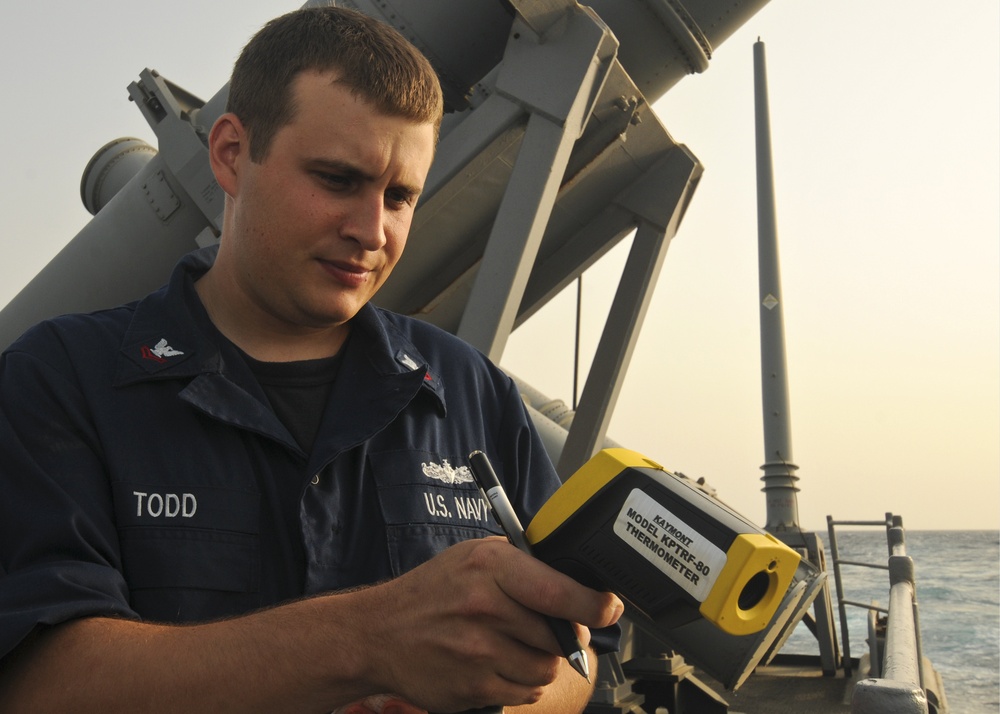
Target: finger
528, 666
543, 589
514, 644
523, 621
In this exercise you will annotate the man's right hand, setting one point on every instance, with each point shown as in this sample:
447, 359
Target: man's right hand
466, 629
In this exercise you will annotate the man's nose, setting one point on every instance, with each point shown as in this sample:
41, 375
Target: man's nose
366, 221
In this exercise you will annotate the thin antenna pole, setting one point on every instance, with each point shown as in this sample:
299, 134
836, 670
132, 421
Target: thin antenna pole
576, 351
779, 470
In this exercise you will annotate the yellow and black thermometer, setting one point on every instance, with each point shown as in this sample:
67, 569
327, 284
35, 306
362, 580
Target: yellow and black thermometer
671, 552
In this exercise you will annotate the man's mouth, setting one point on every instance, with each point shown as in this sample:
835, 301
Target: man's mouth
345, 272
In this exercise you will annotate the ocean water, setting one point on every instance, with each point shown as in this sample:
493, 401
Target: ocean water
957, 577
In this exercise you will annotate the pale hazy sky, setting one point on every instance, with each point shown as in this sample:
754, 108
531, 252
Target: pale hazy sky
887, 160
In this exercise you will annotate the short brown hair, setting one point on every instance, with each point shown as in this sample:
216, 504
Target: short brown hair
374, 60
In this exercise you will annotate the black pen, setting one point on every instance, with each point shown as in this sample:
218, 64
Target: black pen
489, 484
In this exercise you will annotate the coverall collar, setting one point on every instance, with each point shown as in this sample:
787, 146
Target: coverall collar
171, 337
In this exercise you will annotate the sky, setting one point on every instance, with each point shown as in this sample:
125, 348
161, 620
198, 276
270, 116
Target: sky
885, 122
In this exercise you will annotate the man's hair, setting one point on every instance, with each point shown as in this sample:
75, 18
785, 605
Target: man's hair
371, 58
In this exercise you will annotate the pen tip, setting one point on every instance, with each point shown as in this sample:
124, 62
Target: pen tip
578, 660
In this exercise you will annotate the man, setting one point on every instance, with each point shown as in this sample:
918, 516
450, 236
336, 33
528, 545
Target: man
247, 491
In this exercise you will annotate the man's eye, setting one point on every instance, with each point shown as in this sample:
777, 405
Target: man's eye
399, 198
334, 180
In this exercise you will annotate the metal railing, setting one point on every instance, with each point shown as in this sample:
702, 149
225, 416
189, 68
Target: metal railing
843, 602
897, 681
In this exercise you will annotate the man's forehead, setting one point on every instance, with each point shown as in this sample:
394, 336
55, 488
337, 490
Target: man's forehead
314, 83
334, 129
326, 91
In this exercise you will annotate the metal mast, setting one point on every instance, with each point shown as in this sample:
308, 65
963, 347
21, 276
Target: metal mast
779, 470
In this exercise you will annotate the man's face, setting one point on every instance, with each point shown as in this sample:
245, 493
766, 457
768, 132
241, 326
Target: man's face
317, 227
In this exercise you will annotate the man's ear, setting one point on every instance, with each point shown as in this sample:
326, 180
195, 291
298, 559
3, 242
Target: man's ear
228, 144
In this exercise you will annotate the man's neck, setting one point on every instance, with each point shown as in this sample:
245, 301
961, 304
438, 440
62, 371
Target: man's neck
264, 339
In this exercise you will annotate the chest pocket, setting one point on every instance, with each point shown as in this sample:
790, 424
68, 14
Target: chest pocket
429, 503
189, 553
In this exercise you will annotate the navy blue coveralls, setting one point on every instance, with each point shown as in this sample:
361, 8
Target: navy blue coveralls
143, 474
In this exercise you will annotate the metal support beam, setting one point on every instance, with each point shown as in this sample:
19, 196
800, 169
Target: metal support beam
469, 145
557, 79
658, 201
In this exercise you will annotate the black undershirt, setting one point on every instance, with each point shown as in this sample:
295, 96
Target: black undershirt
298, 392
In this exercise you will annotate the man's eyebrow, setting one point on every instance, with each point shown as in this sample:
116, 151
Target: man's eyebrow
341, 167
349, 170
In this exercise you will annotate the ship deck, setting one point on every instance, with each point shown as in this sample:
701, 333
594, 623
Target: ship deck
792, 684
